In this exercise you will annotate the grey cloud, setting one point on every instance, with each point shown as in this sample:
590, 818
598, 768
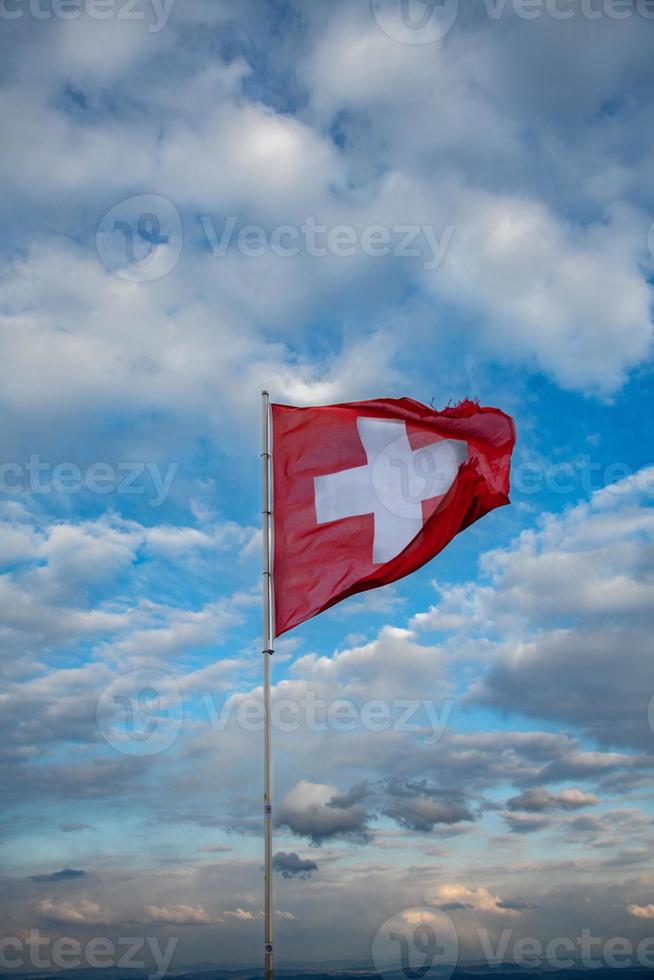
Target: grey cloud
613, 828
318, 812
579, 678
66, 874
525, 823
611, 770
579, 593
420, 807
585, 825
479, 760
291, 865
517, 905
540, 800
356, 794
97, 779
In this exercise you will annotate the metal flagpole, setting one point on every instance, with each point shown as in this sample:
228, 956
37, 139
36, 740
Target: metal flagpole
268, 633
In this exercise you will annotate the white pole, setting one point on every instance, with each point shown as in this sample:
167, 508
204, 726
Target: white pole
268, 633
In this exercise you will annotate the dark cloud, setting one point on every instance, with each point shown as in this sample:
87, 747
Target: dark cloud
597, 680
517, 905
315, 811
356, 794
582, 589
66, 874
291, 865
320, 813
474, 761
419, 807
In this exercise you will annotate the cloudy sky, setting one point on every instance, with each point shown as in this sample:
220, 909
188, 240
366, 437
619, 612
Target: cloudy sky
334, 200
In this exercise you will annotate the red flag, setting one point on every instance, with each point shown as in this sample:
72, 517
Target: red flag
367, 492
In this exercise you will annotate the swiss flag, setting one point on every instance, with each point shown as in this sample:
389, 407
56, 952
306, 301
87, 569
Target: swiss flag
367, 492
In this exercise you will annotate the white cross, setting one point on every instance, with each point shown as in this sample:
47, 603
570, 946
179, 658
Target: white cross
391, 486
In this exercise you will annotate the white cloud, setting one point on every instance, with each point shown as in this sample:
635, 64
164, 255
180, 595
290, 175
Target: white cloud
179, 915
243, 915
641, 911
572, 302
393, 662
268, 161
83, 912
564, 294
453, 894
535, 145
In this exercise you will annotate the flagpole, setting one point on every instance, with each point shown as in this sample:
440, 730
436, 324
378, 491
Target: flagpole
268, 633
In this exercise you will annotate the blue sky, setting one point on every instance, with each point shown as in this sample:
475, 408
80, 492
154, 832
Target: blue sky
510, 156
